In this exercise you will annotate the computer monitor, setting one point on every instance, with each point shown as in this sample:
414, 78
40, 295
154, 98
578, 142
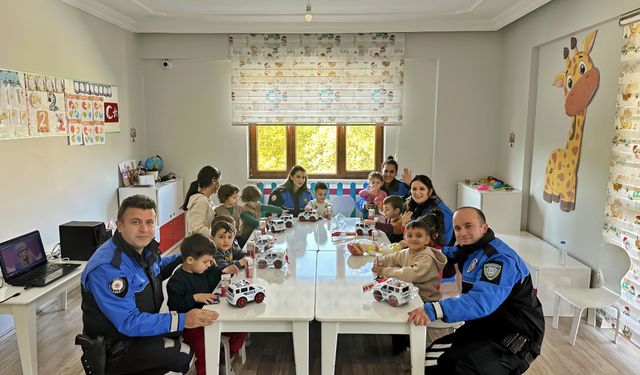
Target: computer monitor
19, 255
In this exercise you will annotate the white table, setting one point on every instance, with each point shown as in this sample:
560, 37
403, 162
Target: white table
23, 309
287, 307
341, 307
327, 243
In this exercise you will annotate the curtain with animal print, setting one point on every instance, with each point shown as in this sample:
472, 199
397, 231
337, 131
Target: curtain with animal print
622, 211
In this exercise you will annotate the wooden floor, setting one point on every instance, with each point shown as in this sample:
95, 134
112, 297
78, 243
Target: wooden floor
594, 352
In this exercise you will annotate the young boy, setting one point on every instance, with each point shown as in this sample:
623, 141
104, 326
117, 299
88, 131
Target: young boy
228, 197
191, 287
228, 258
392, 223
253, 210
319, 204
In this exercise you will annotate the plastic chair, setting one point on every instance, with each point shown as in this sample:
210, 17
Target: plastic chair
343, 204
584, 298
224, 341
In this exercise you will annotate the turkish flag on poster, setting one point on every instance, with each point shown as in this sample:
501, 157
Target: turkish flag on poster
111, 112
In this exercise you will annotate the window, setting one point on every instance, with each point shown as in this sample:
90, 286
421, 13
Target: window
324, 151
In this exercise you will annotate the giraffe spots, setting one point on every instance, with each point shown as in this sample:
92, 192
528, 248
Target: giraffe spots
559, 165
568, 184
554, 157
577, 136
561, 177
574, 150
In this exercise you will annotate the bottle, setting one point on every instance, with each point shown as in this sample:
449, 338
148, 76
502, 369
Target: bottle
251, 248
224, 284
329, 212
563, 253
248, 269
372, 213
263, 226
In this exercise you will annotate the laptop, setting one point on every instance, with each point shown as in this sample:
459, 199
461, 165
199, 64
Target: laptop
24, 262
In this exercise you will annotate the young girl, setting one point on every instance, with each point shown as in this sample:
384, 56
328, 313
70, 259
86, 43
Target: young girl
253, 210
198, 203
423, 201
391, 185
228, 197
229, 260
294, 194
190, 287
373, 195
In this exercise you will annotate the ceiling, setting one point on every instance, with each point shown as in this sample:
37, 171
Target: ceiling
281, 16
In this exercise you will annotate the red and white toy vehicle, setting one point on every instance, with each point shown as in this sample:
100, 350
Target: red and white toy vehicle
364, 229
242, 292
264, 243
276, 225
271, 259
288, 220
395, 291
311, 216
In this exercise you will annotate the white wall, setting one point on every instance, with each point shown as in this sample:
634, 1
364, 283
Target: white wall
452, 100
533, 109
45, 182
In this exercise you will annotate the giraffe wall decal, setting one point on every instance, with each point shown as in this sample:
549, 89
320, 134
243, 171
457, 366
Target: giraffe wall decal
580, 81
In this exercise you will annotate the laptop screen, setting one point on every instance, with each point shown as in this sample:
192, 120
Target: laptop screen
19, 255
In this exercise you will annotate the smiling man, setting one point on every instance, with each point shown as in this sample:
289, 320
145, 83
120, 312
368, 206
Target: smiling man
504, 323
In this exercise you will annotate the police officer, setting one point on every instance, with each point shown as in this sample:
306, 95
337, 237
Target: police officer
122, 295
504, 322
294, 194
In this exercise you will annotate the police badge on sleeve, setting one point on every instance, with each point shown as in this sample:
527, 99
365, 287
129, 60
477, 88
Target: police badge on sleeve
491, 272
119, 286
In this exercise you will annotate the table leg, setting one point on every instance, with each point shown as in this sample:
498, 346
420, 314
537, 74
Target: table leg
24, 317
212, 347
329, 343
301, 347
418, 343
62, 300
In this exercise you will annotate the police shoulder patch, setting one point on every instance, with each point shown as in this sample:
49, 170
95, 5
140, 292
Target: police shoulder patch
491, 272
119, 286
273, 197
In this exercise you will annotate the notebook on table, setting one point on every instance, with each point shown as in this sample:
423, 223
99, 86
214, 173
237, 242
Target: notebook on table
24, 262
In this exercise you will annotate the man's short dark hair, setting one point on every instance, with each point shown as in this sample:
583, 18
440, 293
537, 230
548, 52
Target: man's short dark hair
223, 225
197, 245
483, 219
136, 201
227, 190
394, 201
320, 186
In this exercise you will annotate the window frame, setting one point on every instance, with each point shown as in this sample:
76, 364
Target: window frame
341, 172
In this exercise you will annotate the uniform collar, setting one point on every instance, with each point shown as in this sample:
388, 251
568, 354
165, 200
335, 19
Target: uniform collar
148, 256
463, 251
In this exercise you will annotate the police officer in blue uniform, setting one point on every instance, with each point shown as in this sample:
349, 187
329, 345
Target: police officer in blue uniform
504, 323
124, 332
294, 194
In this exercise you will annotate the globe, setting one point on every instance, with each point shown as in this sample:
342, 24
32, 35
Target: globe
154, 163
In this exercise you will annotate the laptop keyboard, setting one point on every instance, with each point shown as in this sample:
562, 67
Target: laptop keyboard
39, 274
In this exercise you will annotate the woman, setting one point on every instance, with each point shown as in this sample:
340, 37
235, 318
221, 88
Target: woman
423, 201
391, 185
294, 194
198, 203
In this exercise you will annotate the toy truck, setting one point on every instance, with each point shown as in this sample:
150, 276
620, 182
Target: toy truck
311, 216
288, 220
243, 292
276, 225
271, 259
364, 229
395, 291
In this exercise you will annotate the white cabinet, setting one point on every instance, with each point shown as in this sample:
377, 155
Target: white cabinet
168, 196
501, 208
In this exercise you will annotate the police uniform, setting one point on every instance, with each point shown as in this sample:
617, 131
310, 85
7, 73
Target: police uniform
397, 187
504, 323
295, 203
428, 207
121, 297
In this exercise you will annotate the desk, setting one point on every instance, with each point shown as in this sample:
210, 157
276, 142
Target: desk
23, 309
341, 307
287, 307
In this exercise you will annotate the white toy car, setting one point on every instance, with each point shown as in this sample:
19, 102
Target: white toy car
395, 291
364, 229
311, 216
242, 292
276, 225
264, 243
271, 259
288, 220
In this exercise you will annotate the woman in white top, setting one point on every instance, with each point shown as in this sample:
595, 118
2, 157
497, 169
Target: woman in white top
198, 203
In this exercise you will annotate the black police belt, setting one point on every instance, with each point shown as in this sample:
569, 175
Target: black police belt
519, 345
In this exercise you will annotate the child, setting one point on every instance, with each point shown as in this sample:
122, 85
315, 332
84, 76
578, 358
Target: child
228, 197
191, 287
373, 195
392, 223
419, 263
236, 245
319, 204
253, 210
229, 260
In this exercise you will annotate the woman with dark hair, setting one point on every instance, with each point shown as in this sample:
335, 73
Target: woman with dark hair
423, 201
198, 203
391, 185
293, 195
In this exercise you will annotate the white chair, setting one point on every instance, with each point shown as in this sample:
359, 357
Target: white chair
224, 341
585, 298
343, 204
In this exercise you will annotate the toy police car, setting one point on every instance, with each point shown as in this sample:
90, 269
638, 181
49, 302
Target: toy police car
395, 291
242, 292
311, 216
288, 220
276, 225
271, 259
264, 243
363, 228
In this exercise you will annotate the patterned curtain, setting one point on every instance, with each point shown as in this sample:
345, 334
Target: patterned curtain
317, 79
622, 211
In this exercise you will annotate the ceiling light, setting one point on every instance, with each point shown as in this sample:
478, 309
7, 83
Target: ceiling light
307, 15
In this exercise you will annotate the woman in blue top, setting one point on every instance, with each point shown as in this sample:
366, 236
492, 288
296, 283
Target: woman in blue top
294, 194
391, 185
423, 201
